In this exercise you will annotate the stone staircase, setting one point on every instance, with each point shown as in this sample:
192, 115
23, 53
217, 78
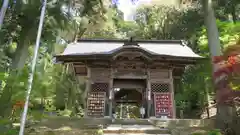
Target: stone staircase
134, 127
118, 129
90, 126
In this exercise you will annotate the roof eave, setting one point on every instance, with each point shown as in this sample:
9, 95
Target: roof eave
78, 57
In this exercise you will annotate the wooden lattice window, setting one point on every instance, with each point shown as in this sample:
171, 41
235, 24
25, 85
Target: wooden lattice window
160, 87
100, 87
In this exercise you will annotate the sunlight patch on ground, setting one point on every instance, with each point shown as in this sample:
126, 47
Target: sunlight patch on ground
130, 127
65, 128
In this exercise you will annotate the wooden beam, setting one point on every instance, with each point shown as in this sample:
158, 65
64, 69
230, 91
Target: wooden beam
87, 90
78, 63
172, 94
130, 77
161, 80
110, 93
132, 54
96, 57
177, 77
127, 101
148, 93
80, 70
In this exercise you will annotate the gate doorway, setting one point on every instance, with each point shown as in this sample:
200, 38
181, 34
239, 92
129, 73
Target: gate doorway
129, 96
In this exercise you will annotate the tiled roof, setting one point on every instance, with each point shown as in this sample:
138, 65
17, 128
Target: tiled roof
166, 48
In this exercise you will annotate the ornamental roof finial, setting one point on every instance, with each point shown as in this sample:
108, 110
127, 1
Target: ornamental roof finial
130, 42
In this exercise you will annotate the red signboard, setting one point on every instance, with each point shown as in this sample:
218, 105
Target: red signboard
163, 104
96, 104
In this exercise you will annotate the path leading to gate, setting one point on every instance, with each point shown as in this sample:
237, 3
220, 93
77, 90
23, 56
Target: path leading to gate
136, 134
88, 126
135, 129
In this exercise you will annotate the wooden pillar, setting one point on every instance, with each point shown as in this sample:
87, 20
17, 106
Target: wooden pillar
148, 93
87, 90
172, 94
111, 94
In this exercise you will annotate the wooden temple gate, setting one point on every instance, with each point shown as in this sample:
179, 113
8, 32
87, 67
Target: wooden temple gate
129, 61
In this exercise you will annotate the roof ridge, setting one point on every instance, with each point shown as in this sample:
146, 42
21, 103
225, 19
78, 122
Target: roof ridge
180, 42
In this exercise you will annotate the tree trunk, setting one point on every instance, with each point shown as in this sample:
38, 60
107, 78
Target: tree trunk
215, 50
206, 96
59, 98
69, 99
233, 13
60, 92
20, 56
212, 30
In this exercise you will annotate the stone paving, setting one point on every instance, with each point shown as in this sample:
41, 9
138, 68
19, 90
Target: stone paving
117, 129
136, 134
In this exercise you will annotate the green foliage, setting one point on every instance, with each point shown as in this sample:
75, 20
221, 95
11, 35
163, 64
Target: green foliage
17, 36
215, 132
200, 85
6, 127
66, 113
10, 132
55, 88
228, 10
229, 33
196, 134
162, 22
100, 132
193, 94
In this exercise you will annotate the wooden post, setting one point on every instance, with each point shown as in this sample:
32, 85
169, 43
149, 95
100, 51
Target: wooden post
172, 93
111, 94
148, 93
206, 94
87, 89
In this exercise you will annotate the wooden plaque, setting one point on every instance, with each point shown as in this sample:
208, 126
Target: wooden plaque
163, 104
96, 104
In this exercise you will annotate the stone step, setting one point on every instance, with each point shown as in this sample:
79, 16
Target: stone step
135, 134
131, 122
134, 129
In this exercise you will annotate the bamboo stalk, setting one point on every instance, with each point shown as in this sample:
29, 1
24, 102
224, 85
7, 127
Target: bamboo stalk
31, 74
3, 12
